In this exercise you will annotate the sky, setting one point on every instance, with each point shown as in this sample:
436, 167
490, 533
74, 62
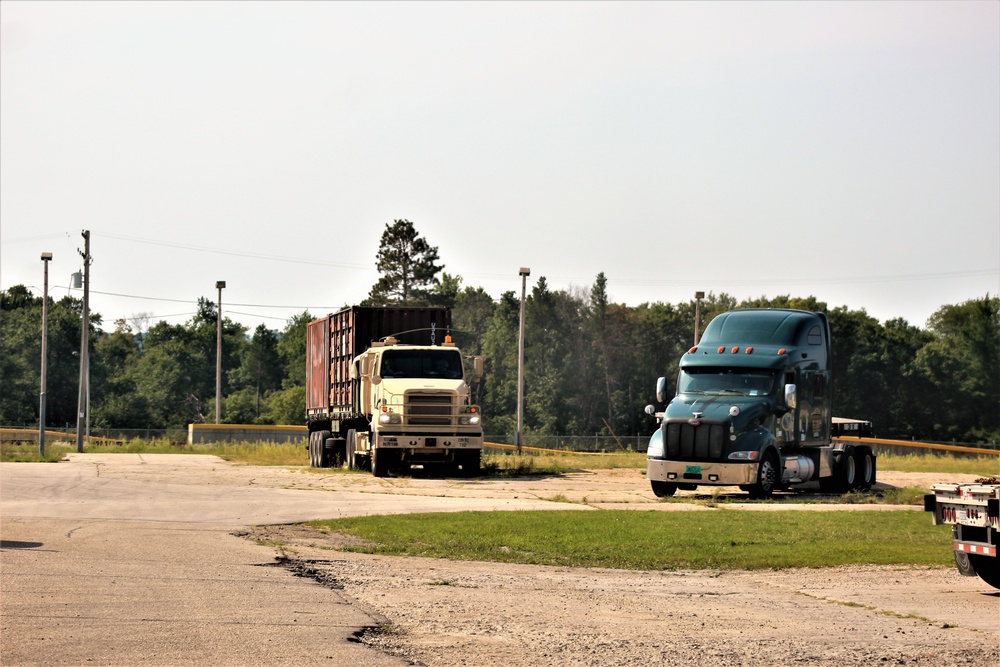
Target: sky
844, 150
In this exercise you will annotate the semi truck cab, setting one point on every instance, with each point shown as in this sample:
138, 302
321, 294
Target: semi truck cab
753, 409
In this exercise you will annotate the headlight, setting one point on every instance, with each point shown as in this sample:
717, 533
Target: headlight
655, 449
386, 418
472, 420
744, 456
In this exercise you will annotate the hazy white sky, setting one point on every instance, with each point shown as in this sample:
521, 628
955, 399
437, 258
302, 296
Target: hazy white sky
847, 150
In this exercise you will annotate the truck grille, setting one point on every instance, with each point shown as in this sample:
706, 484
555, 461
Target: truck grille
687, 442
430, 409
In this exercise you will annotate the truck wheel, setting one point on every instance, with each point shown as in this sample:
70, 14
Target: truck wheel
337, 453
322, 456
864, 468
987, 567
964, 566
662, 489
768, 477
313, 461
843, 474
471, 463
380, 462
352, 444
848, 469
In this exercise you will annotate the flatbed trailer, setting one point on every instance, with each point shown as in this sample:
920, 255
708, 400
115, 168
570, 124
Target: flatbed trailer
973, 512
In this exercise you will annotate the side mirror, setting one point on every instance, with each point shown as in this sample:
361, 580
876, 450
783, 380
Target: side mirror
661, 389
368, 368
790, 396
477, 369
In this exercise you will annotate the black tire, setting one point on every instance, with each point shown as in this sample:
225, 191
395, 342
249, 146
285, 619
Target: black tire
768, 477
313, 461
352, 444
471, 463
380, 462
844, 473
987, 567
662, 489
337, 451
864, 466
322, 456
964, 565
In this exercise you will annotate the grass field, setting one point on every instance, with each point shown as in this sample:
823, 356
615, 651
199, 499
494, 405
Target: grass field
724, 539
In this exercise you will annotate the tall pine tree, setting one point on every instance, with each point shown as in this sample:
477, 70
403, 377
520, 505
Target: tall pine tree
408, 266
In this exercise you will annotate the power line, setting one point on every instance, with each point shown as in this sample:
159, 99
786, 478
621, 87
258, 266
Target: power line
833, 280
233, 253
239, 305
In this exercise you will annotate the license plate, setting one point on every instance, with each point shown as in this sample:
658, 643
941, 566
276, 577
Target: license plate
692, 470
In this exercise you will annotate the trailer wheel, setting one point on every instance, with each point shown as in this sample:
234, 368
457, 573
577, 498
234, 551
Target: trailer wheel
352, 445
662, 489
864, 466
987, 567
768, 477
313, 461
964, 566
322, 456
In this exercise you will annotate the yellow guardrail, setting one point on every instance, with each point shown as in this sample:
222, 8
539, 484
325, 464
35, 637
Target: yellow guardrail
873, 441
921, 445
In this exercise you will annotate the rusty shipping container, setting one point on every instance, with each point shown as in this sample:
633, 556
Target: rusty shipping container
332, 343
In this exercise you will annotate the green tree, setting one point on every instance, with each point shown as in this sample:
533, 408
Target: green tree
260, 369
961, 363
471, 318
292, 352
408, 266
21, 355
500, 358
117, 403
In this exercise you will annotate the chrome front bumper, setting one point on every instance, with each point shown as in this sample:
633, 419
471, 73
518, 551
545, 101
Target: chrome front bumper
708, 474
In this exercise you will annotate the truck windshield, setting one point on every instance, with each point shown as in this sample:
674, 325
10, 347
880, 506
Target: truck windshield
445, 364
729, 381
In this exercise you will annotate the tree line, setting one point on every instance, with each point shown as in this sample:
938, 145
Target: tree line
590, 364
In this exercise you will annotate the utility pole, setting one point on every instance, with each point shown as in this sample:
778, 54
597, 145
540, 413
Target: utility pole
524, 273
698, 296
46, 258
84, 402
219, 284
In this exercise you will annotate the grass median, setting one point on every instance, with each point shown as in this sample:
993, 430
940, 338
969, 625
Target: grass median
720, 539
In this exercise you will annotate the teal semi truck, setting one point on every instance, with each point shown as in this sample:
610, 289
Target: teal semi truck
753, 409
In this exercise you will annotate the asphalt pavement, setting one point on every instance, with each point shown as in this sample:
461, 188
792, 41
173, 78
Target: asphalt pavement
132, 560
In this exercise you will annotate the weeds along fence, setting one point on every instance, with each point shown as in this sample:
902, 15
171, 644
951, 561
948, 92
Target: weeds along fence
28, 433
576, 443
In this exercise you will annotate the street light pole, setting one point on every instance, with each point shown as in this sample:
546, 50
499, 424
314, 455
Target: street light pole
46, 258
84, 404
218, 354
524, 273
